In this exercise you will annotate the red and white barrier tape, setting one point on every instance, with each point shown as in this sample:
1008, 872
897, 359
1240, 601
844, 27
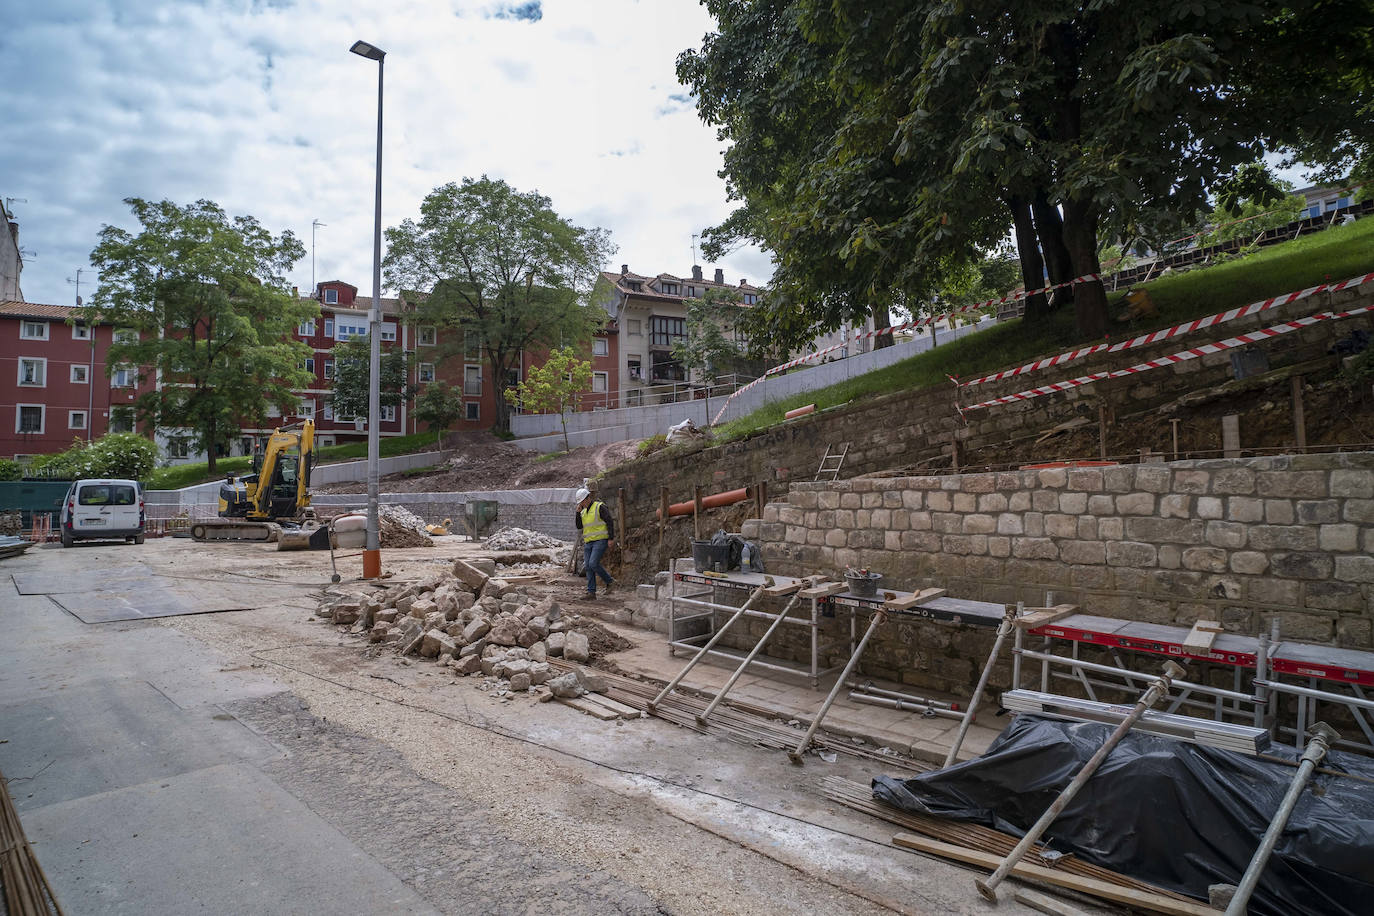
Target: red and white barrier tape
1172, 358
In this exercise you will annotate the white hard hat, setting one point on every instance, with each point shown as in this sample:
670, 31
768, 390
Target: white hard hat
583, 493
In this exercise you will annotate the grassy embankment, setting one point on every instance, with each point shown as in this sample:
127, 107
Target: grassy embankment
1335, 254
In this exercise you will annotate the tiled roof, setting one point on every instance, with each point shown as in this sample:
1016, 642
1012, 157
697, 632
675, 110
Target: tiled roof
37, 310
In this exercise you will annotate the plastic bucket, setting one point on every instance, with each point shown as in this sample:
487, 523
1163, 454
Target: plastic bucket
863, 585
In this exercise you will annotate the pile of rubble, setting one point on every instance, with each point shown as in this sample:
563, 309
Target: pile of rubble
399, 527
478, 624
521, 539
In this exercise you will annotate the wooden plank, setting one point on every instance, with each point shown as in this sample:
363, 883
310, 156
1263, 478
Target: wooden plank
790, 587
1201, 636
912, 600
595, 710
1103, 889
1039, 616
621, 709
1043, 904
824, 590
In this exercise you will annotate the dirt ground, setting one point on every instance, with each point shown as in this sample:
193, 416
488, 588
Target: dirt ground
480, 461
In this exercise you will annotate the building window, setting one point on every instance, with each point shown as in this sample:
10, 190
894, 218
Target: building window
121, 420
636, 372
472, 381
331, 296
349, 331
601, 346
29, 418
664, 332
329, 368
80, 374
599, 380
671, 289
33, 330
81, 331
634, 398
389, 332
388, 414
307, 328
179, 447
750, 299
33, 372
273, 411
76, 419
124, 377
307, 410
693, 291
126, 336
329, 411
329, 327
309, 365
667, 369
474, 410
426, 372
472, 343
427, 335
634, 326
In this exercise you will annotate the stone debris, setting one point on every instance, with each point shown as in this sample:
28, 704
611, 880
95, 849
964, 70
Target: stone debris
471, 622
398, 527
512, 538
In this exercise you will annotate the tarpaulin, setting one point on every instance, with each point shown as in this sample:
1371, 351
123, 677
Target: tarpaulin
1182, 816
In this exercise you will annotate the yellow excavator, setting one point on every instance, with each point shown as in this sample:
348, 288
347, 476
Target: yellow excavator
272, 501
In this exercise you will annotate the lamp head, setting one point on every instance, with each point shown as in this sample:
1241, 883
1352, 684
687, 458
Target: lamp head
371, 52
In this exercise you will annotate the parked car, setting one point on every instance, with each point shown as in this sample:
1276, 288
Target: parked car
103, 509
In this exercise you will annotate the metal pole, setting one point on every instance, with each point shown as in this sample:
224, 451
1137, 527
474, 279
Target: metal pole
372, 554
903, 705
701, 653
711, 707
1322, 737
796, 753
1156, 691
1003, 629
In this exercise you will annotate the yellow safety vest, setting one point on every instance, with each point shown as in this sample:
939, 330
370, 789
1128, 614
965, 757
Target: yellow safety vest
593, 528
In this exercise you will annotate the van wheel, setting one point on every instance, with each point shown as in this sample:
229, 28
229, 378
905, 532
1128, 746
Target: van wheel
139, 538
67, 539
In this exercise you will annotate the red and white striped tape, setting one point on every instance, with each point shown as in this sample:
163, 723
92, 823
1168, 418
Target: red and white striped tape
1181, 356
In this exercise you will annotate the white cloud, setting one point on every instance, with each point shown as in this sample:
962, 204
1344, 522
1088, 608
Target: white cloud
261, 108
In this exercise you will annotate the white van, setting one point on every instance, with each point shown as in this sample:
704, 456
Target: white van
102, 509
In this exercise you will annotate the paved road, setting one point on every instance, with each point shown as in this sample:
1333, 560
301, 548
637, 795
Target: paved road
257, 761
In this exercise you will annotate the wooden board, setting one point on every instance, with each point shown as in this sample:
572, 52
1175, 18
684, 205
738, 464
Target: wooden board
1200, 638
1039, 616
621, 709
824, 590
911, 601
1102, 889
596, 710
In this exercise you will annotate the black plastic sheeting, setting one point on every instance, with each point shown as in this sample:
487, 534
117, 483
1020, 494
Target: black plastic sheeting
1182, 816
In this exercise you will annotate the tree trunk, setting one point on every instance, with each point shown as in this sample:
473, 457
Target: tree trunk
1049, 228
1028, 249
498, 387
1090, 299
210, 448
882, 318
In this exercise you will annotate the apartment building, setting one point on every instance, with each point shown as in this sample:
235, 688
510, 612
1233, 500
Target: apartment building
650, 316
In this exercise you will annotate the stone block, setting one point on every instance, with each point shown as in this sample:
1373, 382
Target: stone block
835, 537
1249, 562
999, 547
1131, 553
1282, 537
576, 648
1238, 620
1083, 552
1292, 484
1152, 479
1269, 590
1204, 559
1355, 569
1306, 627
939, 501
1237, 481
469, 575
1088, 528
1056, 526
1111, 529
1189, 481
1035, 524
1165, 530
1034, 548
892, 499
980, 524
1089, 577
1319, 511
1135, 504
1226, 534
1118, 480
1209, 507
869, 500
865, 539
1278, 512
827, 499
992, 502
1053, 478
1086, 480
1352, 483
1338, 538
927, 541
947, 522
1101, 505
1175, 505
912, 499
1048, 500
978, 483
1244, 509
1019, 501
1334, 595
1360, 511
881, 518
1354, 632
1170, 556
961, 544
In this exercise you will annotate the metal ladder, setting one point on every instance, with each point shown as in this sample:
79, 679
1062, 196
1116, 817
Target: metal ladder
832, 462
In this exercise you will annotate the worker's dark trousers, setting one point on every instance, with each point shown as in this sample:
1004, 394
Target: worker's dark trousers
593, 551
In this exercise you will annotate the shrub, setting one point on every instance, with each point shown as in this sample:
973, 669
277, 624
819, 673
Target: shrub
126, 455
10, 470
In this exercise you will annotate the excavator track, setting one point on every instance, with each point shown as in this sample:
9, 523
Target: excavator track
235, 530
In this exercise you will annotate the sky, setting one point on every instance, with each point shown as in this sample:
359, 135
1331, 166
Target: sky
259, 106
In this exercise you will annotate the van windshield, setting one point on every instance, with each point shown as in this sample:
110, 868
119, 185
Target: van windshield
107, 494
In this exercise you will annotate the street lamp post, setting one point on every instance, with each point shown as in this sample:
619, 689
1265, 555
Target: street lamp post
372, 552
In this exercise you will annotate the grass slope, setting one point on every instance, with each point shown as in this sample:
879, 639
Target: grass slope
1335, 254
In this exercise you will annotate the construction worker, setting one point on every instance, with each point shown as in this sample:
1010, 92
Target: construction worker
598, 534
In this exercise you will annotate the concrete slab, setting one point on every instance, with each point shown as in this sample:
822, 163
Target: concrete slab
109, 735
159, 849
135, 591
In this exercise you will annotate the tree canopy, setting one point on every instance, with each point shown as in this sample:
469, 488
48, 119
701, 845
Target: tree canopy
439, 406
214, 311
554, 386
502, 271
353, 377
878, 147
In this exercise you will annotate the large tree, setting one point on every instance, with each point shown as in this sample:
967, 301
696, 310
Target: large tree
214, 312
353, 378
897, 140
504, 273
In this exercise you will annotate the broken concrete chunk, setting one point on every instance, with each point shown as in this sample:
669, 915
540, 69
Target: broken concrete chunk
434, 620
566, 685
470, 664
495, 588
489, 665
385, 615
422, 608
476, 630
378, 633
470, 575
576, 648
520, 681
505, 631
527, 637
436, 641
591, 681
540, 625
539, 672
404, 604
554, 644
538, 652
485, 565
473, 649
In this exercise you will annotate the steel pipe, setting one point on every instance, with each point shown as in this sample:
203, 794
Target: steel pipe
758, 647
795, 755
1153, 694
903, 705
1322, 737
1003, 630
1126, 672
701, 653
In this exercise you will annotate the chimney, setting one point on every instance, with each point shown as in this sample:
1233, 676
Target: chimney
295, 292
696, 271
743, 282
720, 275
624, 269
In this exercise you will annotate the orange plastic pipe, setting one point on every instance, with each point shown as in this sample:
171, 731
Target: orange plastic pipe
799, 412
728, 498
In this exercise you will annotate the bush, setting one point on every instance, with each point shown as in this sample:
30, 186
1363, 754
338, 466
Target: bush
126, 455
10, 470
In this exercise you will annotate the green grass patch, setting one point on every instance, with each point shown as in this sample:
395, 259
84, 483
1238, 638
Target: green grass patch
550, 456
1335, 254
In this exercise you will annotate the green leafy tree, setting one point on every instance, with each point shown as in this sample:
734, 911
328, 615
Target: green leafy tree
554, 386
504, 274
213, 310
439, 406
353, 377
